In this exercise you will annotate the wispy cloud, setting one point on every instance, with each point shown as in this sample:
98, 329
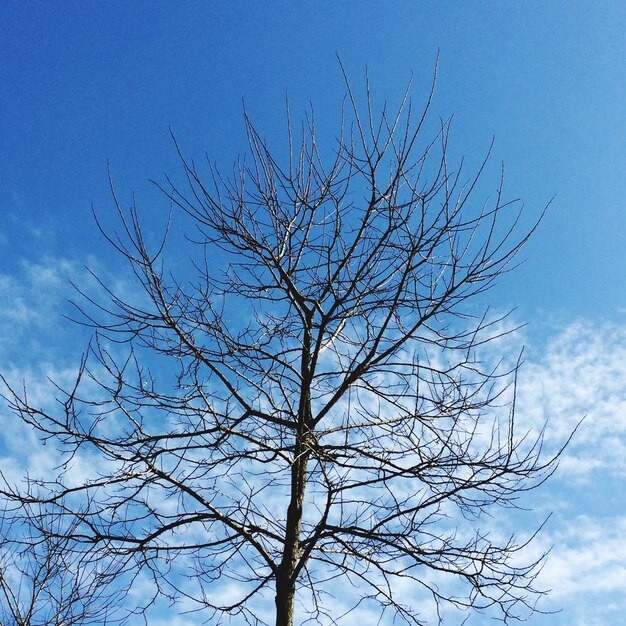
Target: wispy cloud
32, 301
586, 570
581, 373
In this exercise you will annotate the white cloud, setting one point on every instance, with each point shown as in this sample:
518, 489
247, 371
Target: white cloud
586, 571
582, 373
589, 554
31, 305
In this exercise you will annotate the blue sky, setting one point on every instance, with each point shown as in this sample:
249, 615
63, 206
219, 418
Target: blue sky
91, 83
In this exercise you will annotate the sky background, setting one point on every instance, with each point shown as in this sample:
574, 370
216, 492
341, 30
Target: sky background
86, 84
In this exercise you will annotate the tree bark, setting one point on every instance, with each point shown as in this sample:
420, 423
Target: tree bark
286, 575
285, 579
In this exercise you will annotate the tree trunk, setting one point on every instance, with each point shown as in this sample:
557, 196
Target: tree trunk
285, 579
286, 575
285, 596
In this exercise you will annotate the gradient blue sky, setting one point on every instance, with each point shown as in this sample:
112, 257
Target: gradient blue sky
86, 83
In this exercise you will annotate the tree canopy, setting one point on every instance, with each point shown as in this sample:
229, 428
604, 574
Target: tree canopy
298, 426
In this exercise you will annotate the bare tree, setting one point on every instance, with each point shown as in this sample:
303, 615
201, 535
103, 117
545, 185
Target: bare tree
306, 417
